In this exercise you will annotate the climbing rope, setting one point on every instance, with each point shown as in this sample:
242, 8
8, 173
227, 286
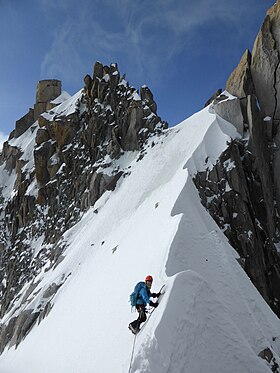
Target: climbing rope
132, 353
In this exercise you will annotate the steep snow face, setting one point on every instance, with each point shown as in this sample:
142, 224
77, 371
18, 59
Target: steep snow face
195, 334
68, 105
61, 98
211, 318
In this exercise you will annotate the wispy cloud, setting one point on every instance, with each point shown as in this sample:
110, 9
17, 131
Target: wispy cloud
163, 29
147, 34
63, 58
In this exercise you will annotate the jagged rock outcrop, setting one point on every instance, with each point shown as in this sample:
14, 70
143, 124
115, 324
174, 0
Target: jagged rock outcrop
213, 97
74, 160
10, 155
24, 123
47, 90
129, 118
259, 76
242, 191
232, 193
240, 82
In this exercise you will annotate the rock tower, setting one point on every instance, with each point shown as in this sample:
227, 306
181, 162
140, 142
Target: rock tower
47, 90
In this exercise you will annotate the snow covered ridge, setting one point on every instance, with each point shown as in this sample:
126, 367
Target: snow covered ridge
106, 201
97, 193
211, 317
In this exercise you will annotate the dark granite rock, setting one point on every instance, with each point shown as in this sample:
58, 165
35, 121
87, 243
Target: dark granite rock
243, 211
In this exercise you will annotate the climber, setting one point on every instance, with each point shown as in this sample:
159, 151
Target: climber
139, 299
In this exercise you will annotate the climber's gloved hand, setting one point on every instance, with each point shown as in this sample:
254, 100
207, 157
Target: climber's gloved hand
153, 304
155, 295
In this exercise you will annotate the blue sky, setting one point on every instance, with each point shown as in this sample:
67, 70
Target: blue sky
182, 49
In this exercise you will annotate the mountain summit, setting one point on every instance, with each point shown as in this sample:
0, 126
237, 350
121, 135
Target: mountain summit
97, 192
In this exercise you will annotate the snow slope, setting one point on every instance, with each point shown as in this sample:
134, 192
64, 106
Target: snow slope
211, 318
68, 105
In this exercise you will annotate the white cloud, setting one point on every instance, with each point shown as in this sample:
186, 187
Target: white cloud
63, 59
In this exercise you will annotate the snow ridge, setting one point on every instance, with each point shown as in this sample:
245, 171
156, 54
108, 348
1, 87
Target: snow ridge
211, 318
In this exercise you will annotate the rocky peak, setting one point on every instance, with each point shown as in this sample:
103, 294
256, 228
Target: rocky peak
259, 74
248, 211
127, 116
274, 15
59, 166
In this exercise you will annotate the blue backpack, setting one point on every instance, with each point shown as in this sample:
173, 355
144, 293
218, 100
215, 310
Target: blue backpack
134, 296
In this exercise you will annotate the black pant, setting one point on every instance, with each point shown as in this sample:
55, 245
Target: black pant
141, 318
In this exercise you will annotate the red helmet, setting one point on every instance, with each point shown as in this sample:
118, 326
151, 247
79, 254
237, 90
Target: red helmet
149, 278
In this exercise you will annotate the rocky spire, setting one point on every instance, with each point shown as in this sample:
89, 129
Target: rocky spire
252, 203
47, 90
240, 83
127, 117
260, 76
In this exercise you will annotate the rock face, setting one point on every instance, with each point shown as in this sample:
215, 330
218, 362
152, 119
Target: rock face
47, 90
74, 160
260, 76
24, 123
230, 110
242, 191
240, 82
232, 193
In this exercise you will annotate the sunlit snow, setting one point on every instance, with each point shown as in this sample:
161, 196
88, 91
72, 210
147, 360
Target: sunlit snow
211, 318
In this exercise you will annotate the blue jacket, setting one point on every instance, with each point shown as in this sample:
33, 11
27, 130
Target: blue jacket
144, 295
